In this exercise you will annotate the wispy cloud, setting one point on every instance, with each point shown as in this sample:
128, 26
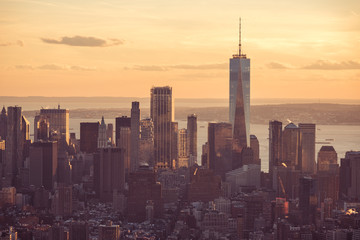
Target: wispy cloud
17, 43
221, 66
55, 67
328, 65
277, 65
318, 65
81, 41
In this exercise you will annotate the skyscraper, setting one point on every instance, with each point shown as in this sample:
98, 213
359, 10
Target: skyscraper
146, 152
291, 145
327, 156
220, 148
183, 148
89, 132
192, 137
102, 138
161, 112
3, 123
135, 135
43, 164
254, 145
307, 143
58, 122
240, 72
14, 145
275, 147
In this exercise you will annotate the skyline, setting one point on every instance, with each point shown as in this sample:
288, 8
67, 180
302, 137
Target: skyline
298, 50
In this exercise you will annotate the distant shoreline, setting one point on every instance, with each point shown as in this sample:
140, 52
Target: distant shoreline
319, 113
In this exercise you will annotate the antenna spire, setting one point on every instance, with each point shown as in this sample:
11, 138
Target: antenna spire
239, 37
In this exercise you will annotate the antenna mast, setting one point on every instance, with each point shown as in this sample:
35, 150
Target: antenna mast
239, 37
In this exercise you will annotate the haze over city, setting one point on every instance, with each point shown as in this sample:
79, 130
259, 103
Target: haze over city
168, 120
302, 49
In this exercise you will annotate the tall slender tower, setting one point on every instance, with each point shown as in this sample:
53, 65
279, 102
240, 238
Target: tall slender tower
192, 137
135, 135
240, 72
161, 114
307, 143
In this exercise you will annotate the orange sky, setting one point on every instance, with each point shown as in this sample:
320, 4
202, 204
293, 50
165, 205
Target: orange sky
303, 49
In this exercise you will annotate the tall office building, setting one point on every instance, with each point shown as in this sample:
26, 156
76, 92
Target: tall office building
102, 140
349, 176
220, 148
43, 164
161, 112
135, 135
41, 130
174, 144
183, 148
146, 144
307, 144
3, 123
121, 122
143, 186
291, 146
89, 133
14, 145
308, 199
192, 137
58, 122
240, 73
110, 133
254, 145
327, 156
109, 172
275, 146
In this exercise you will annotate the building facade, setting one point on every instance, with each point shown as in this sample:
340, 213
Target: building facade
161, 112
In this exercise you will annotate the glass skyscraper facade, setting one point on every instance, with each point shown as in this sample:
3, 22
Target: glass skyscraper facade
235, 69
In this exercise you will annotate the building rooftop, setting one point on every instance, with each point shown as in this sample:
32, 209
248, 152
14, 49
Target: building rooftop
291, 126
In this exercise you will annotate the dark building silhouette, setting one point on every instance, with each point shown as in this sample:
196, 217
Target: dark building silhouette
349, 176
307, 144
109, 172
291, 146
3, 123
220, 145
174, 144
161, 112
43, 164
143, 186
255, 146
16, 136
89, 133
79, 231
192, 137
42, 130
121, 122
308, 199
110, 133
204, 185
275, 147
135, 136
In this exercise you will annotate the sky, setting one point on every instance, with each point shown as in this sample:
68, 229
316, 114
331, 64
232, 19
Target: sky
298, 49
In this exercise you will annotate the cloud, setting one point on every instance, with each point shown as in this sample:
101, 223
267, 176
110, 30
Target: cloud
221, 66
81, 41
328, 65
17, 43
24, 67
52, 67
277, 65
148, 68
55, 67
